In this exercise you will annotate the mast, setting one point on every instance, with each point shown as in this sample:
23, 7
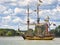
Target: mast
38, 18
38, 14
37, 27
28, 17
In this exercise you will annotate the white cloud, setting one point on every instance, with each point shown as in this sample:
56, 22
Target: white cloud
19, 10
44, 13
9, 11
6, 19
51, 13
52, 27
24, 2
56, 23
24, 27
47, 2
25, 20
58, 8
13, 0
22, 10
30, 11
13, 4
2, 1
7, 26
17, 20
54, 14
2, 8
58, 1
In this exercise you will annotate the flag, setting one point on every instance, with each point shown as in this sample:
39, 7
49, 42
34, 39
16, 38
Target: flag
40, 1
54, 24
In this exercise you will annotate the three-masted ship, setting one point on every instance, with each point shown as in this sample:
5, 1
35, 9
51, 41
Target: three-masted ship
41, 29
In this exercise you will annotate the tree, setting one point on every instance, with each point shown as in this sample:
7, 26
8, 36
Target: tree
56, 31
9, 33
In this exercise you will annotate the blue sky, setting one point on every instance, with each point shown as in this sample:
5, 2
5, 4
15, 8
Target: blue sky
14, 12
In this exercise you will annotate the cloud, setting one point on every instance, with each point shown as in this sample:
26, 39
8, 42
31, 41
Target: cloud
59, 2
8, 12
13, 4
24, 2
2, 8
48, 2
7, 26
30, 19
3, 1
18, 10
52, 26
22, 11
13, 11
6, 19
51, 13
58, 8
17, 20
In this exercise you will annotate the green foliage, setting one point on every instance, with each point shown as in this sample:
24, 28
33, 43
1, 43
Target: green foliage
8, 32
56, 31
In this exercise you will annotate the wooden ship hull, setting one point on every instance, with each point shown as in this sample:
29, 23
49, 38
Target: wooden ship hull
39, 38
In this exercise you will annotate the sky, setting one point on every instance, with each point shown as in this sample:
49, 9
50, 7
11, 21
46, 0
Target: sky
13, 13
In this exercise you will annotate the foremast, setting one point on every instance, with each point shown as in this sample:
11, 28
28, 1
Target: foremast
28, 21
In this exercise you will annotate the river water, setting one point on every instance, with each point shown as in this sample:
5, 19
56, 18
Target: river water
21, 41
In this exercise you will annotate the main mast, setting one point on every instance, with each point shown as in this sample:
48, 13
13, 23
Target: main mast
37, 26
38, 18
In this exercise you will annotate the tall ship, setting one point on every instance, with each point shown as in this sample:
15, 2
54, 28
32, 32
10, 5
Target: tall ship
41, 29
